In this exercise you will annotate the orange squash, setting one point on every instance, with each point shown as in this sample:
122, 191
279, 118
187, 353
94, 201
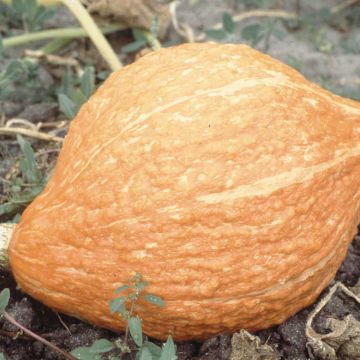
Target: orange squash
230, 182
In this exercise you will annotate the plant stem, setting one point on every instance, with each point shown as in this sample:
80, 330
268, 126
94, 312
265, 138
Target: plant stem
9, 318
94, 33
152, 40
55, 45
127, 327
56, 34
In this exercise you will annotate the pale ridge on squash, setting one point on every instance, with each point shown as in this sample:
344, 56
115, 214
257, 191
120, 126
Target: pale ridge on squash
268, 185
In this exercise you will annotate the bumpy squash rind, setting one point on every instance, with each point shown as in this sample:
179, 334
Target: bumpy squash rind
222, 175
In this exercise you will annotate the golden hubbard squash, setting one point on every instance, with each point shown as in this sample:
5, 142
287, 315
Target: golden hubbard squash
230, 182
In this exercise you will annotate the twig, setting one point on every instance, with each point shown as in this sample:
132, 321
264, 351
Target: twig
9, 318
184, 30
63, 323
255, 13
91, 28
309, 330
52, 59
28, 132
19, 121
337, 8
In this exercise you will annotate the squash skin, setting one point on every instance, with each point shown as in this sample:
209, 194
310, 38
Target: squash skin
222, 175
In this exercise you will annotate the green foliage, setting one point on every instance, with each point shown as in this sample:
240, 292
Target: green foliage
124, 305
134, 324
4, 299
2, 356
226, 33
140, 40
74, 91
255, 33
32, 15
94, 351
138, 43
313, 25
20, 80
22, 190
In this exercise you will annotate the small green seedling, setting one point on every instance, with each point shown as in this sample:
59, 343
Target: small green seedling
124, 305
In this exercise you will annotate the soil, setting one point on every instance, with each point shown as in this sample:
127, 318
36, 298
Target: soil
326, 61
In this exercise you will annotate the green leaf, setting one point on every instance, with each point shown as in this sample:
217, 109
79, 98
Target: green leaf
19, 5
217, 34
78, 98
153, 348
121, 288
138, 34
4, 299
2, 356
84, 353
135, 330
253, 33
87, 82
102, 75
140, 286
169, 350
67, 106
101, 346
67, 80
28, 162
228, 23
145, 354
118, 305
134, 46
43, 14
8, 208
156, 300
30, 6
15, 70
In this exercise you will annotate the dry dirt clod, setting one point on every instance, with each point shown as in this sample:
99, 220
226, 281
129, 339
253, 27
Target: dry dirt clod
246, 346
134, 13
343, 339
